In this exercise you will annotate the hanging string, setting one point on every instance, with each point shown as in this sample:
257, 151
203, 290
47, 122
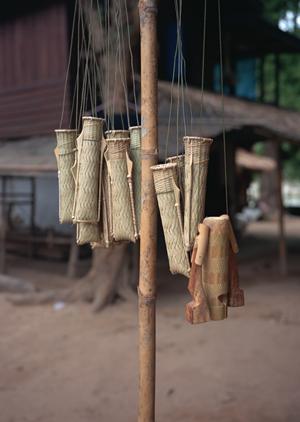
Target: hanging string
203, 57
223, 107
122, 59
131, 64
176, 66
79, 53
85, 73
100, 65
171, 101
69, 63
181, 91
107, 67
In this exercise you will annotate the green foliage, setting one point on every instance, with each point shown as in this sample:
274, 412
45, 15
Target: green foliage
287, 12
291, 165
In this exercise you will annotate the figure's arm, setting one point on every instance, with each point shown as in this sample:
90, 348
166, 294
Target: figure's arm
235, 294
197, 310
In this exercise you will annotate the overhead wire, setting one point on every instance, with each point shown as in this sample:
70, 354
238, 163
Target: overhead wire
69, 63
223, 106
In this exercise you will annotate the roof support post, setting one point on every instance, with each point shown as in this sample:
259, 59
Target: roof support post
281, 229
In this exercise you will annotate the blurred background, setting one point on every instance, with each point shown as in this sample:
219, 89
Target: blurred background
59, 360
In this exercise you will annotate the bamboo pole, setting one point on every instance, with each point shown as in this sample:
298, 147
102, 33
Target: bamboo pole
147, 280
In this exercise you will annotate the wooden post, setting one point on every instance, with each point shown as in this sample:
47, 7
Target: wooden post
3, 227
277, 80
148, 233
73, 256
282, 241
262, 78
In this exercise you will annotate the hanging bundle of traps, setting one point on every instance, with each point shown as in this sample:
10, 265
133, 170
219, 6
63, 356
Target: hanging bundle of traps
99, 182
183, 176
212, 269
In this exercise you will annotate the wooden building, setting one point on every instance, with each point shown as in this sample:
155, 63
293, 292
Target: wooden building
34, 42
34, 50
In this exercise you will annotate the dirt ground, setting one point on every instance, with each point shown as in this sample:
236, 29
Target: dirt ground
71, 365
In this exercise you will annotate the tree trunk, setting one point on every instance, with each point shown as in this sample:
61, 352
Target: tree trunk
111, 276
268, 202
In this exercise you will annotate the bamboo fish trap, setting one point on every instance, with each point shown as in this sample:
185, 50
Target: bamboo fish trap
106, 217
168, 197
135, 155
65, 156
180, 161
214, 280
196, 164
87, 170
87, 208
122, 203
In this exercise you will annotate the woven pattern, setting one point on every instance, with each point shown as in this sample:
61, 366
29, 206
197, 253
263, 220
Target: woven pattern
87, 207
106, 205
117, 134
87, 233
215, 266
65, 155
168, 197
196, 165
135, 154
122, 200
180, 161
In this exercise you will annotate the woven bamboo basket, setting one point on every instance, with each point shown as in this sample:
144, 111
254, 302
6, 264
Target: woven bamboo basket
196, 165
65, 155
135, 155
120, 173
180, 161
87, 204
88, 233
117, 134
168, 197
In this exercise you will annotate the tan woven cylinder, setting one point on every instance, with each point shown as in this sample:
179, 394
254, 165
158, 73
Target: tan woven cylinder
87, 204
65, 155
196, 165
215, 266
106, 204
180, 161
168, 197
120, 173
135, 154
117, 134
87, 233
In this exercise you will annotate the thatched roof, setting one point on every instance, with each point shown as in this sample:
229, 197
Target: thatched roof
35, 156
266, 121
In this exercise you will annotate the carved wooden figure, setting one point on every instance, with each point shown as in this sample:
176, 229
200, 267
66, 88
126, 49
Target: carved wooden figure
214, 283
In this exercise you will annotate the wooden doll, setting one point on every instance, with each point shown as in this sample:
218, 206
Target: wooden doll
214, 279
